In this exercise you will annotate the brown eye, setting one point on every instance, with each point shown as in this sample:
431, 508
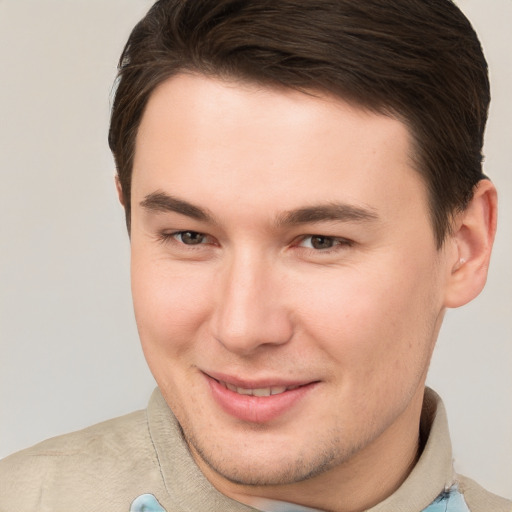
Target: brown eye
322, 242
190, 237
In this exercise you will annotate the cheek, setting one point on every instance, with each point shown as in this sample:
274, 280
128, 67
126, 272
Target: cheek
365, 318
170, 306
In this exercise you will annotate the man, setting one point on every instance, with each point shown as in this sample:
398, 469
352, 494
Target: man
304, 195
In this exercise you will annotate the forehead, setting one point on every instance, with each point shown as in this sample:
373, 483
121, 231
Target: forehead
273, 146
195, 100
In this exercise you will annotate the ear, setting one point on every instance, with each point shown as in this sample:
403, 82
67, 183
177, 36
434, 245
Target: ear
471, 243
119, 189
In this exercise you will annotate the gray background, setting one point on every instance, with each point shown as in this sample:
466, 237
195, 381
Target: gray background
69, 353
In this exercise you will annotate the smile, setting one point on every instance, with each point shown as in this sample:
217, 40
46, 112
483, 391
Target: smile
258, 401
274, 390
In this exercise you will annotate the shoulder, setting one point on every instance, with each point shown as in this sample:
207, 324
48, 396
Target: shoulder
480, 500
98, 440
100, 459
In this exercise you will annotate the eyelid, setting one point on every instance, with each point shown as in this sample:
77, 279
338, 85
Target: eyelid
170, 237
340, 244
166, 236
342, 240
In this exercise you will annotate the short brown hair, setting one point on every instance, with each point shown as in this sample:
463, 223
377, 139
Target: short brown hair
419, 61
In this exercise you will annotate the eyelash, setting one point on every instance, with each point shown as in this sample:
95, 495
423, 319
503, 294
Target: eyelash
338, 242
165, 237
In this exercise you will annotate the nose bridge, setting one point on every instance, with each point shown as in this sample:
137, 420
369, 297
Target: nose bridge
250, 309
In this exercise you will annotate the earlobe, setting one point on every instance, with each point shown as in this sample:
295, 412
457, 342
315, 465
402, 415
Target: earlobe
119, 189
472, 240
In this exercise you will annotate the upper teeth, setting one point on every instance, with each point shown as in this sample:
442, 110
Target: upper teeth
274, 390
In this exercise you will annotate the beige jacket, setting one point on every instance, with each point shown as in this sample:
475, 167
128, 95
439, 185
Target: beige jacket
106, 466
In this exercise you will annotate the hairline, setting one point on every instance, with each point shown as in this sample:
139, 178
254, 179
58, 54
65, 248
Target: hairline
245, 80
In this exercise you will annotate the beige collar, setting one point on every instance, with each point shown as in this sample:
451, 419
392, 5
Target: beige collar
433, 472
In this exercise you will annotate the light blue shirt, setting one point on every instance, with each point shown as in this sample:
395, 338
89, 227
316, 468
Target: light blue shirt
449, 501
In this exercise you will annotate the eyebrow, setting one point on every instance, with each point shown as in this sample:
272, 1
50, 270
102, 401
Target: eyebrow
340, 212
162, 202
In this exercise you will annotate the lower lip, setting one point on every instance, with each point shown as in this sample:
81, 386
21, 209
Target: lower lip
256, 409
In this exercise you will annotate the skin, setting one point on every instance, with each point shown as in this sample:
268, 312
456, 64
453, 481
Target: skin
227, 280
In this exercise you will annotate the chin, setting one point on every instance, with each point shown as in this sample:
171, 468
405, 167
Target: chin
266, 467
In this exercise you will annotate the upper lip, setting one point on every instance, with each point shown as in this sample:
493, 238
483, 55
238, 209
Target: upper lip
260, 383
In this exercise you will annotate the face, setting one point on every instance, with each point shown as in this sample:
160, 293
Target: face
286, 282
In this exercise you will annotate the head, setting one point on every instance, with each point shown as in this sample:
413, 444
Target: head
303, 185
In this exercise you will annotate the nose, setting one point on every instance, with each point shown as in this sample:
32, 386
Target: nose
251, 310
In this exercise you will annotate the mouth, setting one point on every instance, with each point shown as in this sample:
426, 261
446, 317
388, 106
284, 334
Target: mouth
257, 401
264, 391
